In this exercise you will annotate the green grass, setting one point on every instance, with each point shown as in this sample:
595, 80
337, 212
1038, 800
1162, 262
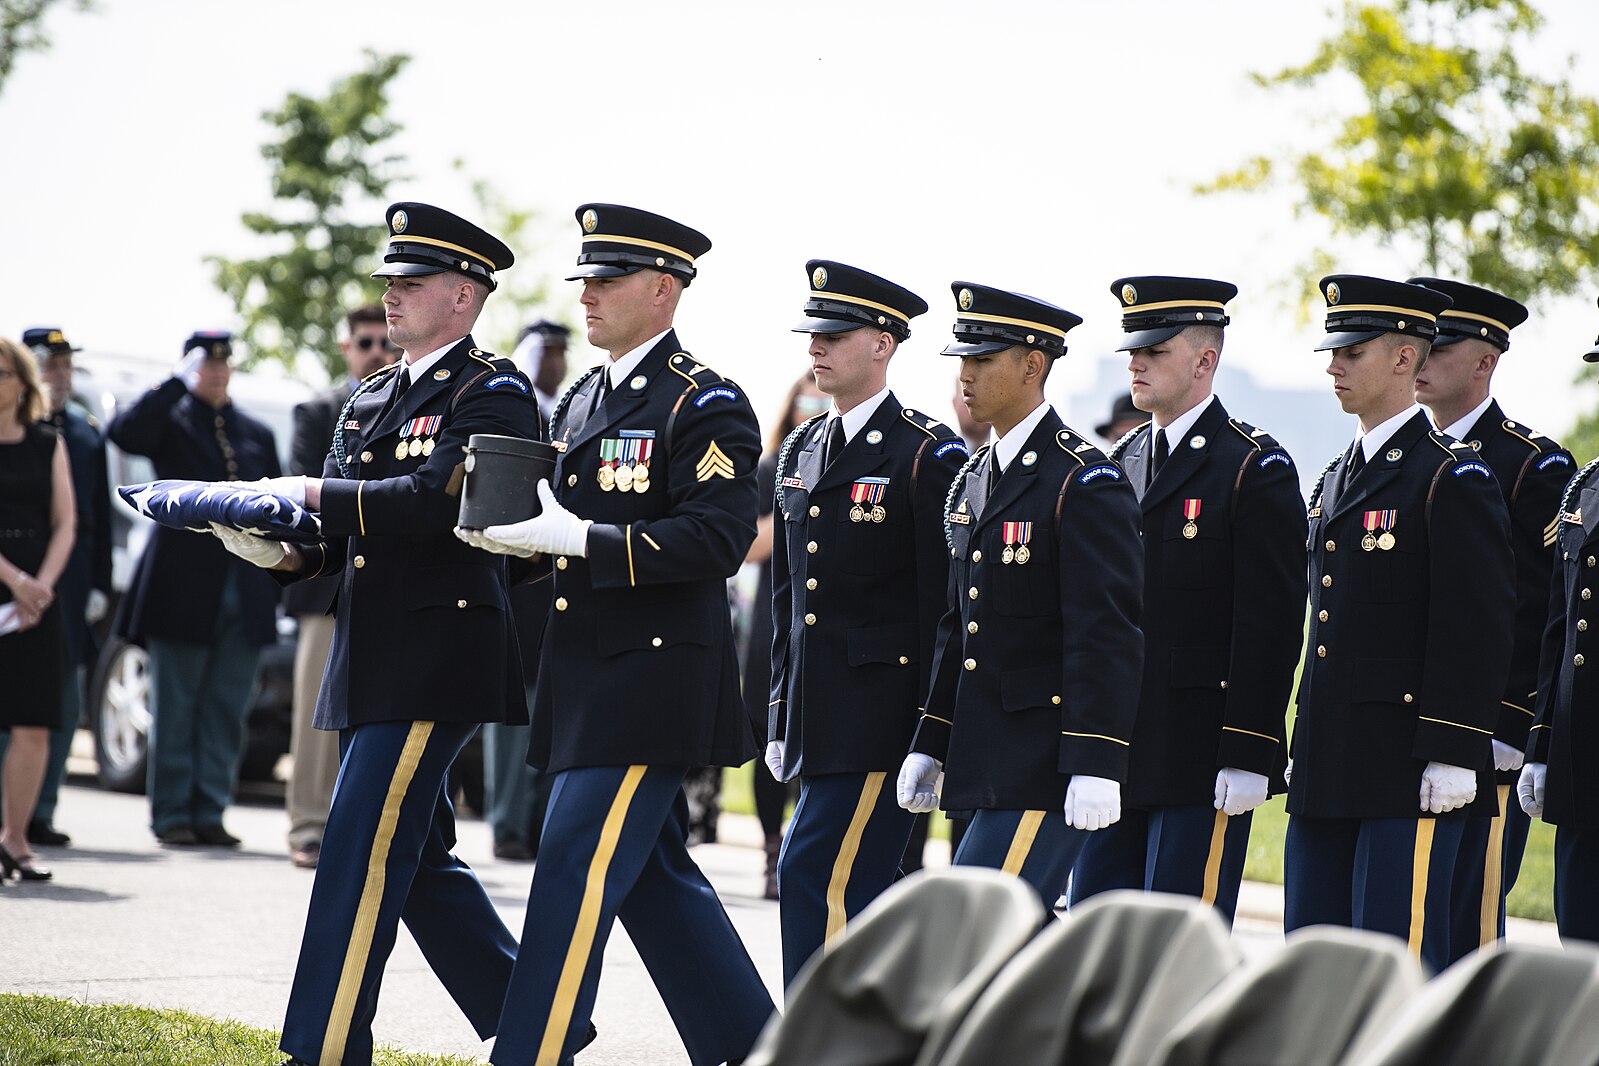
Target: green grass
40, 1031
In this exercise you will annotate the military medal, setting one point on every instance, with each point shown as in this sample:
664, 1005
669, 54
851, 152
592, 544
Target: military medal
402, 449
1373, 521
634, 448
867, 494
427, 446
1386, 542
624, 478
416, 447
606, 475
1191, 512
411, 435
1016, 535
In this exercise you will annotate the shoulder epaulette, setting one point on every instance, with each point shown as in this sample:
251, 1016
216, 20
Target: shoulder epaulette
1078, 448
697, 374
955, 488
925, 423
566, 397
490, 360
782, 453
1321, 478
1120, 446
1532, 437
1258, 439
1450, 445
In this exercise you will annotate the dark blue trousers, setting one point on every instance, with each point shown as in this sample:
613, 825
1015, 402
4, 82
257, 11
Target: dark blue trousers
613, 848
1037, 846
1485, 871
386, 858
842, 850
1389, 875
1190, 851
1577, 883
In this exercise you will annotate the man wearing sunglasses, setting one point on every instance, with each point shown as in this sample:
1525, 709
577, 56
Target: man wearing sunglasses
314, 753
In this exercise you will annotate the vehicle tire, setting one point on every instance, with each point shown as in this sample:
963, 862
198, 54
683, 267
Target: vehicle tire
119, 713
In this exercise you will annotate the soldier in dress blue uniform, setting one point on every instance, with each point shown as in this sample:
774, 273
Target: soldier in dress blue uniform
1557, 782
859, 573
1037, 659
1398, 696
1532, 471
202, 615
1224, 607
653, 510
424, 649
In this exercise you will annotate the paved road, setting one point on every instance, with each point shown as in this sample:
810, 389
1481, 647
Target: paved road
215, 931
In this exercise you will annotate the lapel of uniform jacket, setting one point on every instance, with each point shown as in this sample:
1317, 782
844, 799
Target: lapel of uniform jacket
860, 456
1135, 458
1383, 468
1185, 460
1487, 424
456, 361
625, 400
1018, 476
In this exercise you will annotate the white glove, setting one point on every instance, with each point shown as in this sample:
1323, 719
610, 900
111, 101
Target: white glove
1530, 786
917, 787
1288, 773
1445, 787
290, 488
774, 758
249, 547
1506, 757
1093, 802
1239, 791
556, 531
188, 371
95, 609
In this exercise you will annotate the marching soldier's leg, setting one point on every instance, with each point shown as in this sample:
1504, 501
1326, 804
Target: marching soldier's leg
1198, 851
1517, 825
1112, 858
1577, 883
1037, 846
1318, 871
455, 924
687, 942
602, 826
842, 850
1403, 870
383, 810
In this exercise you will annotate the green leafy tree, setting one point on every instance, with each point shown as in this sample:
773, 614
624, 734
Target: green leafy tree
328, 153
1490, 170
22, 30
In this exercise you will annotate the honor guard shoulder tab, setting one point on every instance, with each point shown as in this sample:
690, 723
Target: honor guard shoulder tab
1078, 448
926, 423
1117, 449
1258, 439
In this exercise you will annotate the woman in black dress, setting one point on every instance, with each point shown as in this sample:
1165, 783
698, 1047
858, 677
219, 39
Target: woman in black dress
37, 521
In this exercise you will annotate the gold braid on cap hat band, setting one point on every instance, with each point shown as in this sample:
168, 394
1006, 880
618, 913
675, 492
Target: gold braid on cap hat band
406, 238
1494, 322
1343, 309
1144, 309
611, 238
817, 294
971, 316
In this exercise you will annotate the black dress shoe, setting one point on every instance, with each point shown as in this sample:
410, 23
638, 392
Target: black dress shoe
179, 836
587, 1040
512, 851
295, 1062
215, 836
47, 835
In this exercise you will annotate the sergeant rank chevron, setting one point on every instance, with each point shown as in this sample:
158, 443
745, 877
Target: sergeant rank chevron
714, 463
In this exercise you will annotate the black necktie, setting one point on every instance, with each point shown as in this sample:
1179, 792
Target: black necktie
1162, 451
1357, 463
404, 383
835, 442
602, 392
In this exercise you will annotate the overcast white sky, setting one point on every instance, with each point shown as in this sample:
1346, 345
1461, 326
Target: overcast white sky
1043, 147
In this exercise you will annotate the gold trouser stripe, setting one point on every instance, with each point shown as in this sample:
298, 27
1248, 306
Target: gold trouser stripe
366, 913
1418, 884
588, 920
1218, 844
1022, 842
1493, 873
844, 862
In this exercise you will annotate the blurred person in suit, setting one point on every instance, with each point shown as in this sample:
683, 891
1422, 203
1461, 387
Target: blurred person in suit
314, 753
37, 518
203, 615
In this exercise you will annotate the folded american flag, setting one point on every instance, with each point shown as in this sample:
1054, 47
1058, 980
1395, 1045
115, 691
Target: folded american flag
194, 505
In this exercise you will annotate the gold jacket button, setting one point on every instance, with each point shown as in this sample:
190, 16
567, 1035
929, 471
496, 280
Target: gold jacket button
1224, 684
971, 627
811, 547
977, 556
971, 664
571, 481
971, 593
1592, 560
816, 512
655, 642
1582, 625
1332, 545
810, 619
560, 603
1587, 594
1409, 698
360, 561
904, 660
560, 562
1322, 616
366, 457
810, 583
460, 603
1577, 659
1326, 581
1055, 700
1321, 651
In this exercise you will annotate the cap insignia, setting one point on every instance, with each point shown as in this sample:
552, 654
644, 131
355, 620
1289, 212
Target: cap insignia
590, 220
1129, 295
1332, 292
55, 337
965, 299
399, 222
819, 278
